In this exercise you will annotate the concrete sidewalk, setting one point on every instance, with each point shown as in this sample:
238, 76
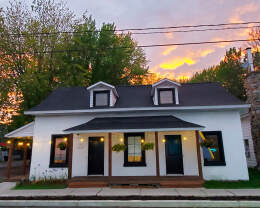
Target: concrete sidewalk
6, 191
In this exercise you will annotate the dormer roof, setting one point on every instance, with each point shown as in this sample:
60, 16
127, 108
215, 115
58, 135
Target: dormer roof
103, 84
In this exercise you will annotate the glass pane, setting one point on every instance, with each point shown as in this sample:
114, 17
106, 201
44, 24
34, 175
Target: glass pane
101, 99
134, 149
213, 153
60, 153
166, 97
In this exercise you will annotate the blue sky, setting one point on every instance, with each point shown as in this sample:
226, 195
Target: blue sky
179, 61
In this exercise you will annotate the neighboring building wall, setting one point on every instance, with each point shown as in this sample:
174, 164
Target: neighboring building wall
246, 128
226, 121
253, 97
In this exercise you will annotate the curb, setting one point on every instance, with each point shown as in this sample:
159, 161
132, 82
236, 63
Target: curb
132, 203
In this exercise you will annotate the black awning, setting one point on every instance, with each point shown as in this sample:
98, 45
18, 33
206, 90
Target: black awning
131, 123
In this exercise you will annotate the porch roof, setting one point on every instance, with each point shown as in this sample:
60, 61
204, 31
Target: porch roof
24, 131
132, 124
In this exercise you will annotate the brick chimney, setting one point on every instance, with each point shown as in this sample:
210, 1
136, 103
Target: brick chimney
253, 97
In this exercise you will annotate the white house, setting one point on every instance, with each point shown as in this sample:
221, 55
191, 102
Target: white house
76, 128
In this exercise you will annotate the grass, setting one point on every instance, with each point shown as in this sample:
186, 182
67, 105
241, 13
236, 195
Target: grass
24, 186
253, 183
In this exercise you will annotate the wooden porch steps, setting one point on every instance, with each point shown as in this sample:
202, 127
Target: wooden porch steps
136, 181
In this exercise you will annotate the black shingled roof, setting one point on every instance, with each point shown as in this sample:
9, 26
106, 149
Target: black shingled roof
190, 94
145, 122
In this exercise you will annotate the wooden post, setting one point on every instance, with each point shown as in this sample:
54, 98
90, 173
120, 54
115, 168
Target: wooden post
157, 154
70, 149
109, 154
24, 158
10, 158
198, 154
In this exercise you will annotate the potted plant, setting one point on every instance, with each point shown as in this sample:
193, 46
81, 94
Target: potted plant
119, 147
147, 146
62, 145
207, 143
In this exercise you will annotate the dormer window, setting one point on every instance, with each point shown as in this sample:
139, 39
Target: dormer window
166, 96
165, 92
101, 98
102, 95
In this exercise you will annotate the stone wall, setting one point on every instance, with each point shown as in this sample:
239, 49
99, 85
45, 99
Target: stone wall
253, 98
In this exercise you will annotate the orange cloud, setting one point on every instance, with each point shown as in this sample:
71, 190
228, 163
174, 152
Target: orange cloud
220, 45
245, 9
169, 50
169, 35
177, 62
206, 52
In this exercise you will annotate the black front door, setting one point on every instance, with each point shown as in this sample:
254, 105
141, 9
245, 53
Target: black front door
173, 152
95, 156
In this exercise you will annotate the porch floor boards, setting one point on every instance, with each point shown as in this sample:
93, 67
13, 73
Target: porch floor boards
131, 181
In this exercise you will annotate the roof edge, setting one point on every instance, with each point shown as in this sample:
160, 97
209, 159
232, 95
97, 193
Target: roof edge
215, 107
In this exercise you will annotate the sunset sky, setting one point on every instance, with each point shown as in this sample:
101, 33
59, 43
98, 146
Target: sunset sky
174, 62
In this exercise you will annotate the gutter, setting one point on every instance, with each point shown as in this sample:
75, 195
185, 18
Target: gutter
110, 110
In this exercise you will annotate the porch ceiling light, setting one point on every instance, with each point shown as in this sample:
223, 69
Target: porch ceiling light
65, 139
101, 139
163, 140
142, 140
20, 143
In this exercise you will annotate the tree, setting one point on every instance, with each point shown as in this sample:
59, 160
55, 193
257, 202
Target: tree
229, 72
36, 57
103, 55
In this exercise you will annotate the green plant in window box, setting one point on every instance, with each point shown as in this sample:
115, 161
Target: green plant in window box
119, 147
207, 143
62, 146
147, 146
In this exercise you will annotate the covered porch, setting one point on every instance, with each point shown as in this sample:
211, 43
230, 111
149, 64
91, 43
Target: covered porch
174, 161
19, 146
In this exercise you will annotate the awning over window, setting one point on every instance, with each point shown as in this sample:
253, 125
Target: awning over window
133, 124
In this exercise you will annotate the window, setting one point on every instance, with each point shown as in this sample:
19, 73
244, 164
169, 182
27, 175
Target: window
247, 148
214, 156
59, 151
101, 98
166, 96
134, 156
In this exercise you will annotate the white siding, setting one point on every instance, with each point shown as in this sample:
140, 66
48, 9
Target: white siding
226, 121
246, 128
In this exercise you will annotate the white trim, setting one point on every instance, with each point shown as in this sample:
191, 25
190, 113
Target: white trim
214, 107
166, 80
9, 135
135, 130
105, 84
100, 83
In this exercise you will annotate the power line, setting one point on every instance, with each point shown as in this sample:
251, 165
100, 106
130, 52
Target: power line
151, 28
195, 30
142, 46
189, 26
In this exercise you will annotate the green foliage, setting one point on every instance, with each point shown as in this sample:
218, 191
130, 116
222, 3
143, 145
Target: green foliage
41, 184
62, 145
253, 183
229, 73
119, 147
31, 68
147, 146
